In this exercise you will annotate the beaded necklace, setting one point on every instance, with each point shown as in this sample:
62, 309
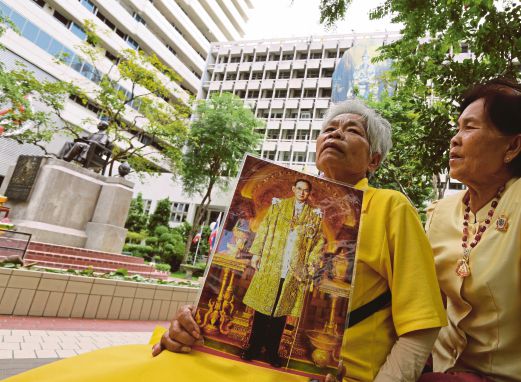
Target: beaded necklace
463, 265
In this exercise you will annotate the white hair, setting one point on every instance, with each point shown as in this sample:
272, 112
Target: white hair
378, 129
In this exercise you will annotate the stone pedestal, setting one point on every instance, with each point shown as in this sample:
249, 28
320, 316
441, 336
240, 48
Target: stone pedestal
73, 206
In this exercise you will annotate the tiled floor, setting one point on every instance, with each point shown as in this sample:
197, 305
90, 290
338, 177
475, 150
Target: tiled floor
27, 342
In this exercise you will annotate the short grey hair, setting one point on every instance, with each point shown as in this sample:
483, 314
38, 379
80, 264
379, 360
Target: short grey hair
378, 129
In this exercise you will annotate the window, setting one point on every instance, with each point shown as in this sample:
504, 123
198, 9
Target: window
230, 76
302, 55
305, 114
298, 74
276, 114
310, 93
244, 76
288, 135
111, 57
287, 57
270, 155
295, 93
247, 58
132, 43
315, 55
292, 113
274, 56
89, 5
253, 94
179, 212
327, 72
331, 54
41, 3
240, 93
299, 156
78, 31
138, 18
235, 59
147, 203
320, 113
108, 23
267, 93
312, 157
260, 58
302, 135
325, 93
284, 74
284, 156
312, 73
256, 75
314, 134
271, 74
280, 93
273, 134
61, 18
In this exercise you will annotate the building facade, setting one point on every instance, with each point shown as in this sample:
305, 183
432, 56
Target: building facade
289, 83
178, 32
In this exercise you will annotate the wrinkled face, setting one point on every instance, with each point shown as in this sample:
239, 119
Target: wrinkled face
477, 151
301, 191
343, 149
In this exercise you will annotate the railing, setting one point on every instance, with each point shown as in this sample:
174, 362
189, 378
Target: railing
13, 243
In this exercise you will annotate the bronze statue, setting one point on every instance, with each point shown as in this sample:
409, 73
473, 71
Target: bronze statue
93, 151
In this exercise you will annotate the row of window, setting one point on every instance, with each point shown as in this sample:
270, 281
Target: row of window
178, 213
55, 48
89, 5
277, 56
290, 113
290, 135
288, 156
130, 41
274, 74
281, 93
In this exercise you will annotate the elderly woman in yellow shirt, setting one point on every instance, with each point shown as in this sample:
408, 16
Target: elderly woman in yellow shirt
476, 238
394, 272
397, 305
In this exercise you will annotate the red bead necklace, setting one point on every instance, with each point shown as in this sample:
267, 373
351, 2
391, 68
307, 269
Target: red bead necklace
463, 265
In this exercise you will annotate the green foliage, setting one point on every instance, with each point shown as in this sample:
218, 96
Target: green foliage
139, 250
19, 89
222, 132
161, 215
162, 117
137, 218
163, 267
429, 77
135, 237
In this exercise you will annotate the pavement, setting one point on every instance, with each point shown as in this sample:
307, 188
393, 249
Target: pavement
28, 342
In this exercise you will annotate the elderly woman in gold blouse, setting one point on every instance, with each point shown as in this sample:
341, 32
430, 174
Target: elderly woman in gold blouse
476, 238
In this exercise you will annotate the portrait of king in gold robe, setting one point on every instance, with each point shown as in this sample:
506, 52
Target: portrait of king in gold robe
287, 246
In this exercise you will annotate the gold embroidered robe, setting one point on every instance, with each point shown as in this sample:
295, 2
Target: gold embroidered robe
269, 245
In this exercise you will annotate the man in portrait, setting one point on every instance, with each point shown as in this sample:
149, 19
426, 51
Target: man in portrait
287, 245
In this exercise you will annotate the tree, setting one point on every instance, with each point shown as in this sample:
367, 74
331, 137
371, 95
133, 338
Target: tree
161, 215
428, 75
137, 218
221, 133
147, 121
19, 90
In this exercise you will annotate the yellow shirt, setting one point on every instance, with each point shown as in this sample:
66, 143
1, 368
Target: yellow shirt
484, 309
393, 253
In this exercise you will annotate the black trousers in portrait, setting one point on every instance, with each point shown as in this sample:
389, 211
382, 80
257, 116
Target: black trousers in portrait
267, 330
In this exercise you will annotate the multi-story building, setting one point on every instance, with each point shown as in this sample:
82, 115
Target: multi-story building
289, 83
178, 32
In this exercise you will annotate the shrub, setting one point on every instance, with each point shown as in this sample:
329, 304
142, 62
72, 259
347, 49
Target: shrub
163, 267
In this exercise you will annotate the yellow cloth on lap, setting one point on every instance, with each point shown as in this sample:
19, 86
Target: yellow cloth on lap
134, 363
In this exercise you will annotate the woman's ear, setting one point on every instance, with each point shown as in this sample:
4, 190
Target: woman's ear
376, 159
514, 148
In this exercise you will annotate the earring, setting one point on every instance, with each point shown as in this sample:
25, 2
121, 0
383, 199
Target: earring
507, 159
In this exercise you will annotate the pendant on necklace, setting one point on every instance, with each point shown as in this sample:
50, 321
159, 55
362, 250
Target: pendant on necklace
463, 268
502, 223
